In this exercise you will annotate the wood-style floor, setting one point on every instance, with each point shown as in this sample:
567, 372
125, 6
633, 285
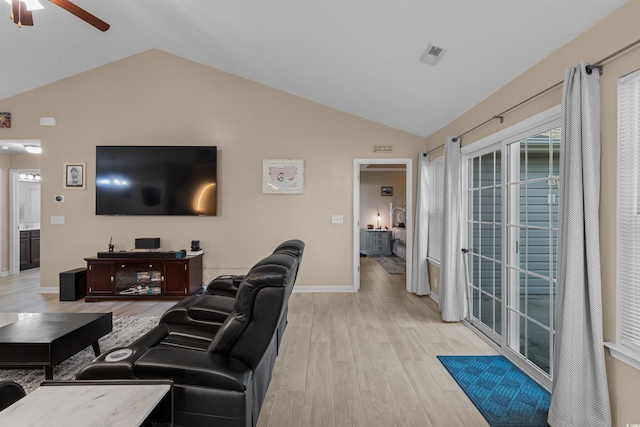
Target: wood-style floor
347, 359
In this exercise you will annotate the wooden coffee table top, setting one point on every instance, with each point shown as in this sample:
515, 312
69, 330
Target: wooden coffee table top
47, 327
46, 339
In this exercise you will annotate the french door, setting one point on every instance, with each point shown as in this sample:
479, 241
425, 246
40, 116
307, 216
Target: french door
512, 200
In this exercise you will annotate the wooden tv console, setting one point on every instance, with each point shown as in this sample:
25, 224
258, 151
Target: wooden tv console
142, 278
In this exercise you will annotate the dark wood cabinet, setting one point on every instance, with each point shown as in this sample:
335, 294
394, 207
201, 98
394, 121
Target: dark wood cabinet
29, 249
143, 278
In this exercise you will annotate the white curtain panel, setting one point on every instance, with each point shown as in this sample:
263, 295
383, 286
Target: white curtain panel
420, 274
452, 278
580, 395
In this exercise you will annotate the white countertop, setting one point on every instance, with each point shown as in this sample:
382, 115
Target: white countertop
31, 227
85, 405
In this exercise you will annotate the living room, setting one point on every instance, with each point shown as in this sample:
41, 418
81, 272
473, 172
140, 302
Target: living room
156, 98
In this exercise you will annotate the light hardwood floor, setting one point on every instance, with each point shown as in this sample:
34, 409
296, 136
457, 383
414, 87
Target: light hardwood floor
347, 359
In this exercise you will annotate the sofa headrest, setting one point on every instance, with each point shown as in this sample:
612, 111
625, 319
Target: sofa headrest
275, 271
283, 259
293, 247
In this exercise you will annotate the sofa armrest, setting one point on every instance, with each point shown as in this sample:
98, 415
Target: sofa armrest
197, 368
107, 367
10, 393
224, 285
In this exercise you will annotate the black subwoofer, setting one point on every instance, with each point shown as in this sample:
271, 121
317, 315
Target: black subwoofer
73, 284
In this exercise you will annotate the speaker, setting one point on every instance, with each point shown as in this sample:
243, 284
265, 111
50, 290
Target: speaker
73, 284
148, 243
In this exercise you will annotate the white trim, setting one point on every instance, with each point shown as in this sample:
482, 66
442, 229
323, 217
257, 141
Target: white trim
433, 261
14, 233
624, 354
49, 290
627, 77
307, 289
356, 214
435, 297
525, 126
4, 274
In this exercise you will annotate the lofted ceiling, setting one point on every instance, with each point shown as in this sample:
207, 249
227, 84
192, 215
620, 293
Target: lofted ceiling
360, 57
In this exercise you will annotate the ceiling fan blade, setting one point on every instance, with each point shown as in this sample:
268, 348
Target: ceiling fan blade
20, 13
82, 14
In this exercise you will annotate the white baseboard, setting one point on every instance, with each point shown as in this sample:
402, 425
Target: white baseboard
48, 290
4, 274
435, 297
322, 289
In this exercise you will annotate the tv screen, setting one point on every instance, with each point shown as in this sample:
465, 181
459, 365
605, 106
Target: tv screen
156, 180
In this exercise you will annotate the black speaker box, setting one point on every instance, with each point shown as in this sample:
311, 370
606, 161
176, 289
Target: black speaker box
148, 243
73, 284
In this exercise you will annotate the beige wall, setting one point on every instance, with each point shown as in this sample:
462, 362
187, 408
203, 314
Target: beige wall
158, 99
615, 32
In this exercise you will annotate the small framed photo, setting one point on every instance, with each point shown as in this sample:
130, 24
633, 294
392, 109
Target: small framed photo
5, 120
74, 176
386, 191
283, 176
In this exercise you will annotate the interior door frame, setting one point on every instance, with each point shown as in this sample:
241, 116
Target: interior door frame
14, 219
356, 214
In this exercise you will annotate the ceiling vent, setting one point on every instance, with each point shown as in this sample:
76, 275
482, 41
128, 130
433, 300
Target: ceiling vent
433, 54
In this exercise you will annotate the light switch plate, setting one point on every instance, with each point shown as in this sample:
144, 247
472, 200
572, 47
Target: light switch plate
337, 219
57, 219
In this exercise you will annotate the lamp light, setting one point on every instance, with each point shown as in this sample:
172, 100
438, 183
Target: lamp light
34, 149
378, 219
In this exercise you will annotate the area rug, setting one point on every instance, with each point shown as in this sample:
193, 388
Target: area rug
125, 330
504, 394
391, 264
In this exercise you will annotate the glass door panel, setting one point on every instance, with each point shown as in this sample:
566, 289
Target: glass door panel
513, 220
485, 255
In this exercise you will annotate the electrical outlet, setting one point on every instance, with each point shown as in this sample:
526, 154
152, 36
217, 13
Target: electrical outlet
337, 219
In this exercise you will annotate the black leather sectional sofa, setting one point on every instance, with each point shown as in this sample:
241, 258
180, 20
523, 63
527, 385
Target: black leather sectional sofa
219, 348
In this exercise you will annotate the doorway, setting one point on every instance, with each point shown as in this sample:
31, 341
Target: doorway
24, 219
383, 207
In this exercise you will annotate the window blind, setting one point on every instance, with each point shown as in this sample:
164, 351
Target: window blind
628, 269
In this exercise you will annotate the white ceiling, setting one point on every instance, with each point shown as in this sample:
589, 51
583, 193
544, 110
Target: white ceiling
358, 56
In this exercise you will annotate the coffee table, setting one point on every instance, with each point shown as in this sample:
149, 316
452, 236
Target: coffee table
46, 339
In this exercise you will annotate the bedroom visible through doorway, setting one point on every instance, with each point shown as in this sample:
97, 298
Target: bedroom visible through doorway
382, 215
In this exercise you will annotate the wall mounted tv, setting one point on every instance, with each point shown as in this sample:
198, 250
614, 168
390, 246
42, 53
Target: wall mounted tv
156, 180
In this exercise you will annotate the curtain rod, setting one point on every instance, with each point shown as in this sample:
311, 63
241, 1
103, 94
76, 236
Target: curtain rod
501, 115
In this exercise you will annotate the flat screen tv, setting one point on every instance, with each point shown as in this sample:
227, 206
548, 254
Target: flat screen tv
156, 180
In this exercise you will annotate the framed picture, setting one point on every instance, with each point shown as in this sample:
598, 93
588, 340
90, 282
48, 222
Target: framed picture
5, 120
74, 176
386, 191
283, 176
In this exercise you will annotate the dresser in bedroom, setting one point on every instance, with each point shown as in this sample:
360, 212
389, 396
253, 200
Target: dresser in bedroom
378, 242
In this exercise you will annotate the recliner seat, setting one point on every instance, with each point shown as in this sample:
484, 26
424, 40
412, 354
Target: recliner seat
221, 372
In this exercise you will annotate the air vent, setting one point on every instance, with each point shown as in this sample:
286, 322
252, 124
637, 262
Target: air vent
433, 54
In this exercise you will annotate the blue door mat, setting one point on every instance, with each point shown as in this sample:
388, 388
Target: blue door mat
504, 394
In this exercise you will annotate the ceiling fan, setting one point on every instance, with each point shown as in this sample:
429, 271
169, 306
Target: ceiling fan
21, 12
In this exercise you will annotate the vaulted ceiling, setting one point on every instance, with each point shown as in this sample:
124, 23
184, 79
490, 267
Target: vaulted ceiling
361, 57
